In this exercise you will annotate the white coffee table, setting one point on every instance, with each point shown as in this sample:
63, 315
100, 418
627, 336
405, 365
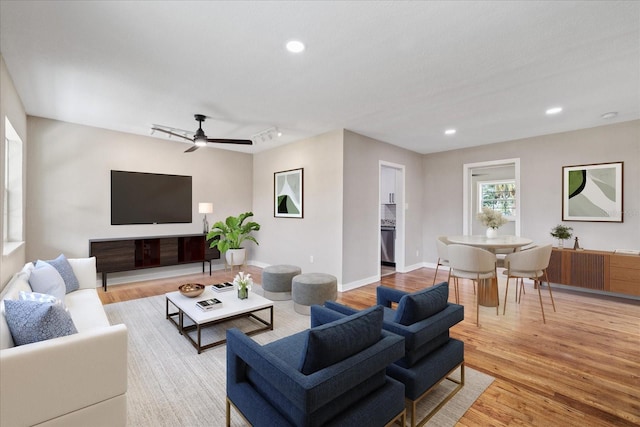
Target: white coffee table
232, 308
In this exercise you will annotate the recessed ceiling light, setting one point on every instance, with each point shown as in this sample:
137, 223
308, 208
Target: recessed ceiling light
554, 110
609, 115
449, 131
295, 46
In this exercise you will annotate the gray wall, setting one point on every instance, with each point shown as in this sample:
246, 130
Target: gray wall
361, 232
11, 107
541, 162
68, 185
319, 232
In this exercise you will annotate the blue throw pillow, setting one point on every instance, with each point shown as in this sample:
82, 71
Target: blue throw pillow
66, 271
419, 305
45, 279
33, 321
333, 342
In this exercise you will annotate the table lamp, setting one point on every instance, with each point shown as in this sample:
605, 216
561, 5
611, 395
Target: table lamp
205, 208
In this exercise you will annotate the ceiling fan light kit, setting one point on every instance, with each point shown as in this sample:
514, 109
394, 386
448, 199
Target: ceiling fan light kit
199, 139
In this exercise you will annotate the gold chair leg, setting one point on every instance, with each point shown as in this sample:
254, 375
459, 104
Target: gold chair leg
506, 291
436, 274
455, 286
228, 413
550, 294
540, 297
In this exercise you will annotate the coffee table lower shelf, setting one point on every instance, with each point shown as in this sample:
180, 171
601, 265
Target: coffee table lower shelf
184, 330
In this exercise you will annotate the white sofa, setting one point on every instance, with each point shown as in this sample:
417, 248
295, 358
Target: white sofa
75, 380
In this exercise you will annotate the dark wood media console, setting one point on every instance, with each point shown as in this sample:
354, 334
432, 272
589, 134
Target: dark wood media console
115, 255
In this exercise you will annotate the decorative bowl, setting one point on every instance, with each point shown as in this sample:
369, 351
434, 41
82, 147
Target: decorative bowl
191, 290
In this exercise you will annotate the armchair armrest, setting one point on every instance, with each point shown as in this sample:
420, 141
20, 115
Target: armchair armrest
429, 328
385, 296
305, 392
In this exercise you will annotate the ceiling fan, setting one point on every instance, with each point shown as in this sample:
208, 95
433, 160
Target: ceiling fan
199, 139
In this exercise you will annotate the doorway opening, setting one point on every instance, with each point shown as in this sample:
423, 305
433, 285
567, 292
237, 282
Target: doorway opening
391, 214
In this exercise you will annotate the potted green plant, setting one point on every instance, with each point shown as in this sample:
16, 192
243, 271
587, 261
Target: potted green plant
492, 220
229, 235
562, 233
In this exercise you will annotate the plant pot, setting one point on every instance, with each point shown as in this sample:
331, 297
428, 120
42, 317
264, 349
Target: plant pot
235, 256
492, 233
243, 293
560, 244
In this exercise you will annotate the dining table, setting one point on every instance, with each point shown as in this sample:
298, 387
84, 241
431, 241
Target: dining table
488, 294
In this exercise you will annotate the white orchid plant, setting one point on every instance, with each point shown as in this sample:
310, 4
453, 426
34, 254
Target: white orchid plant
243, 281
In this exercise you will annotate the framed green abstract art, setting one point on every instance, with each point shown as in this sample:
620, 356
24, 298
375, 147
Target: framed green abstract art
592, 192
288, 194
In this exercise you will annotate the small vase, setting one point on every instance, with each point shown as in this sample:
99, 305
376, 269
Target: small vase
492, 233
243, 293
560, 244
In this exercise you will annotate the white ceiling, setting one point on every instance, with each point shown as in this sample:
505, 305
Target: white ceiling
401, 72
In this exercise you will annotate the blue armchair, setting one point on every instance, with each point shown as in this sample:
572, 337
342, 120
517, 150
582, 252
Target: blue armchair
423, 318
332, 374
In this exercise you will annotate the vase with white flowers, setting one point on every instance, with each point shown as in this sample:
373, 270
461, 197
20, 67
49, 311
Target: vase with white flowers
243, 283
492, 220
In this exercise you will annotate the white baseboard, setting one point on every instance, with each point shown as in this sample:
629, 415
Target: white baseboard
357, 284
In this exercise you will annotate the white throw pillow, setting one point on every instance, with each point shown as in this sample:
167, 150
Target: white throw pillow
45, 279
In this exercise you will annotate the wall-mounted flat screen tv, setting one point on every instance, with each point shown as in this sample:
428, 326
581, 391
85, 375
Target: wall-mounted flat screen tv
150, 198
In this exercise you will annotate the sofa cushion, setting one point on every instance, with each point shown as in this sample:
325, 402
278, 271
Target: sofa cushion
45, 279
85, 271
64, 268
86, 310
419, 305
32, 321
335, 341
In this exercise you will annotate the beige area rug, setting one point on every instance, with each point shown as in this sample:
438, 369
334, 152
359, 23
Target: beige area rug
170, 384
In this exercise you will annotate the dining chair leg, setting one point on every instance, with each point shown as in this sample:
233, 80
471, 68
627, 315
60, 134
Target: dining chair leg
550, 294
497, 296
506, 291
518, 290
540, 297
457, 290
436, 274
455, 285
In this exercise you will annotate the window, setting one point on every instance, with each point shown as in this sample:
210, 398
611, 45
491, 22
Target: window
12, 186
499, 196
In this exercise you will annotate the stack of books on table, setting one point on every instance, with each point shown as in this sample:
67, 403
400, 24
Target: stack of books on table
222, 287
209, 304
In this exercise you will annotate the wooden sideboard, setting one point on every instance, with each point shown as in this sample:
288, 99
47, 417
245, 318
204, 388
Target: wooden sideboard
596, 270
114, 255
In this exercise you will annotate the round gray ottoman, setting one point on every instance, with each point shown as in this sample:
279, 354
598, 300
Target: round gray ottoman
312, 288
276, 281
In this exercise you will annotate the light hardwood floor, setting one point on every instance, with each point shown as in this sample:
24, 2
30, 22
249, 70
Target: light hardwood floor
581, 368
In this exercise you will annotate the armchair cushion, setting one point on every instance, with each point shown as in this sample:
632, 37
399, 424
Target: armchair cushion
419, 305
338, 340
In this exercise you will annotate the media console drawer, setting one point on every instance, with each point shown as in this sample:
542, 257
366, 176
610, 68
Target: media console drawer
625, 274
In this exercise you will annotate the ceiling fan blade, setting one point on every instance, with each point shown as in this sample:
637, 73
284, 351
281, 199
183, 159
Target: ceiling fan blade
171, 133
230, 141
190, 149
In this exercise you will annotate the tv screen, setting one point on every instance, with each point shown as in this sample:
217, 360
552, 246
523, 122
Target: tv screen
150, 198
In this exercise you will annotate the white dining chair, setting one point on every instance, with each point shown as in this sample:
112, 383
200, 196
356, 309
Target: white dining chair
473, 263
529, 264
